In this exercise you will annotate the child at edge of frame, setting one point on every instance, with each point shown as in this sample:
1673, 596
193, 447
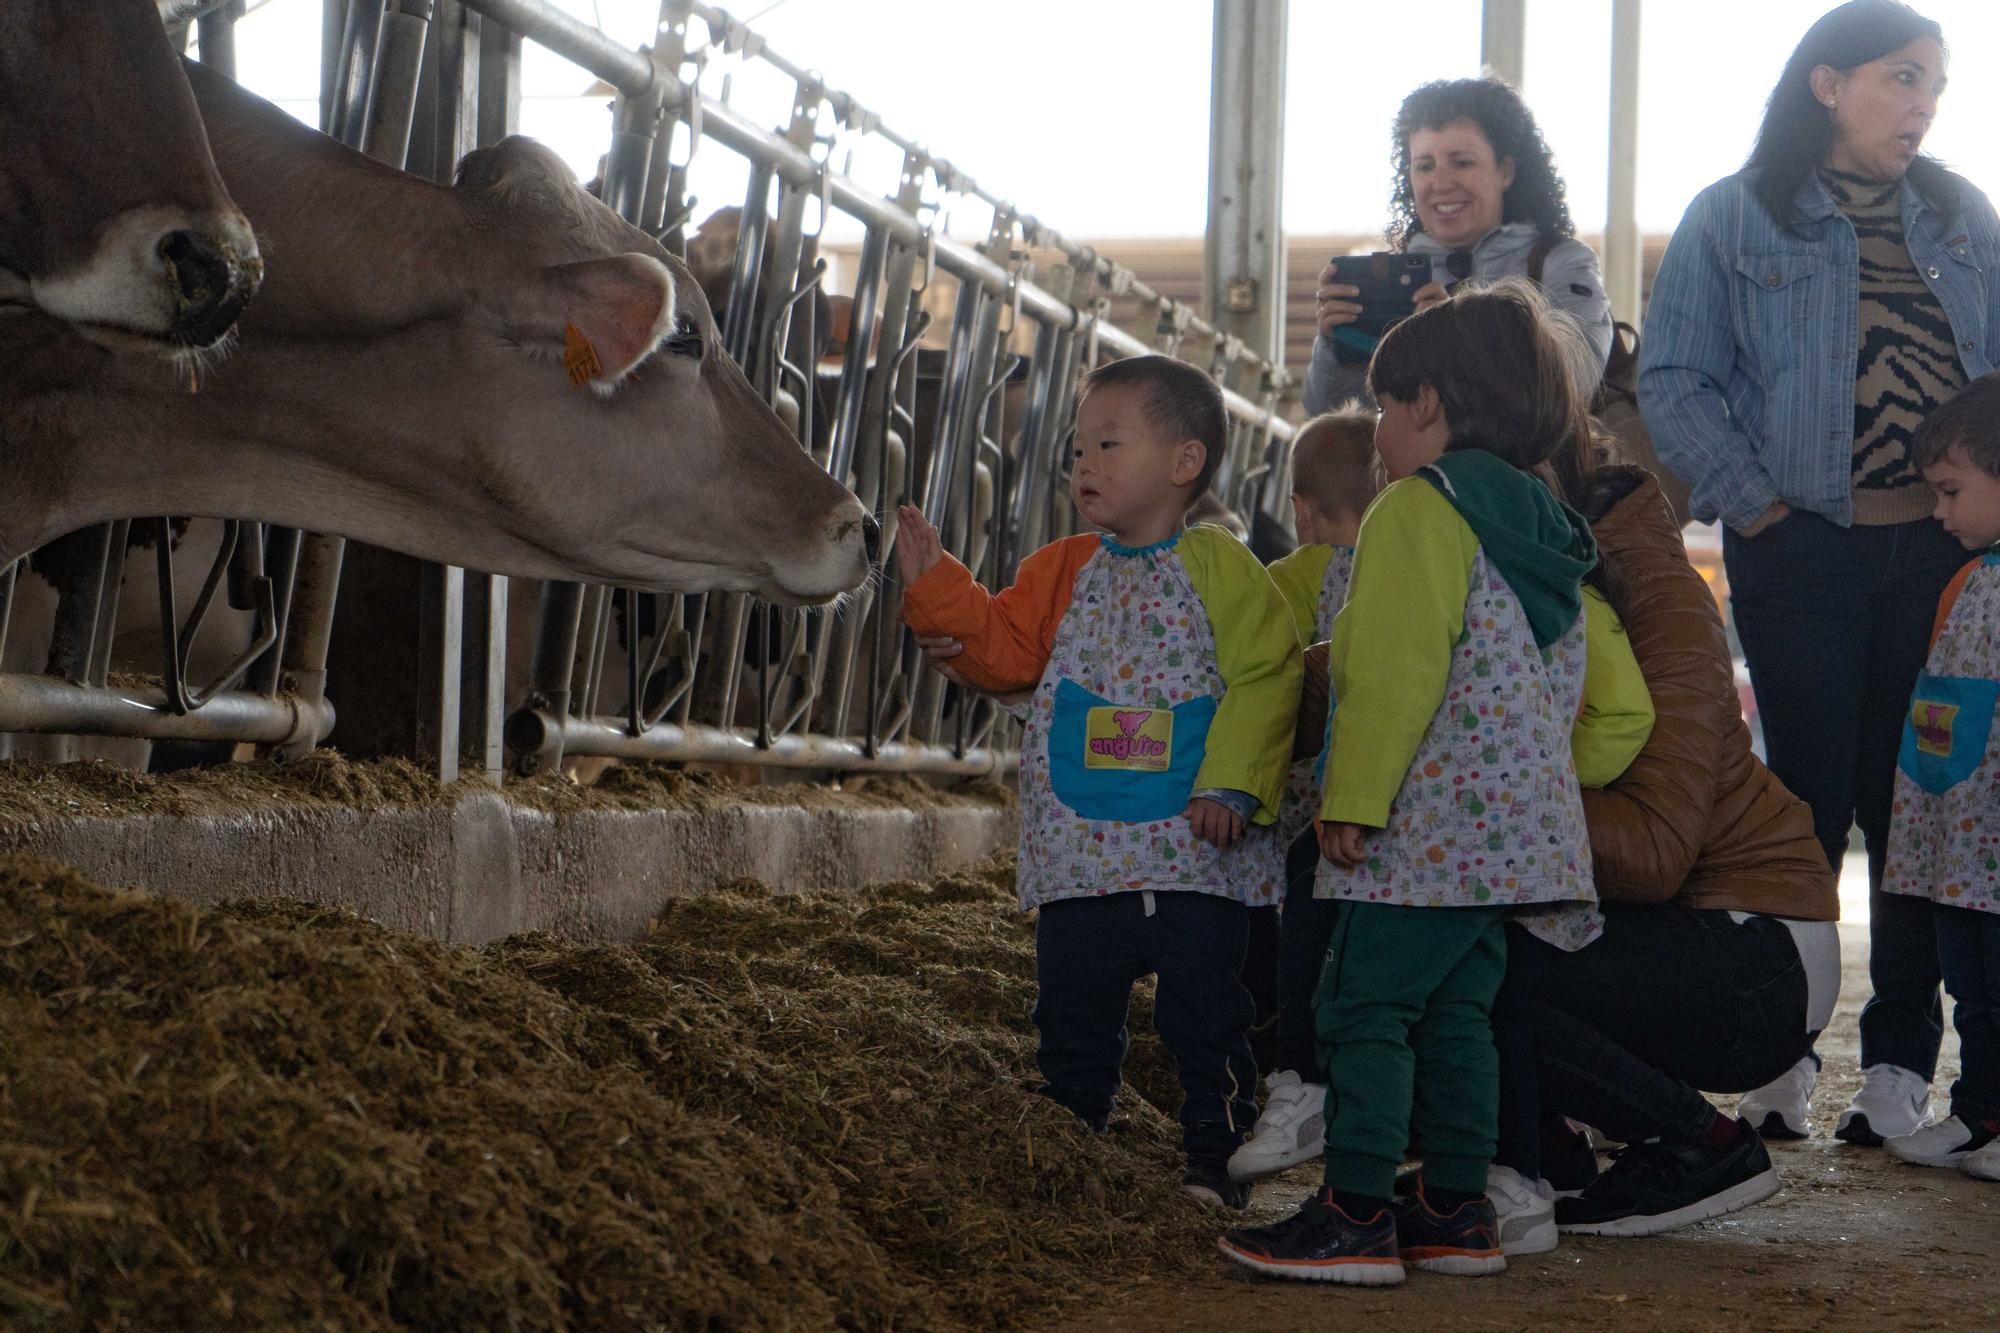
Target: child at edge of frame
1944, 835
1451, 806
1165, 675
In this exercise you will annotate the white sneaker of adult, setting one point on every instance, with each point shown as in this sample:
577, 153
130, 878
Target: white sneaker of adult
1778, 1110
1947, 1143
1893, 1101
1290, 1130
1985, 1163
1525, 1210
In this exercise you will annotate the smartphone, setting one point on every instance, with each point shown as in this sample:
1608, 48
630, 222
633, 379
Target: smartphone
1388, 283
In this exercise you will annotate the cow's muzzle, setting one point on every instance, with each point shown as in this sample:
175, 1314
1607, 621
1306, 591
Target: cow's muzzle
212, 280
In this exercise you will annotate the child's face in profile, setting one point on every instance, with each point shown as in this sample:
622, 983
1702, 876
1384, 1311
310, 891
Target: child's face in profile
1408, 436
1968, 499
1127, 476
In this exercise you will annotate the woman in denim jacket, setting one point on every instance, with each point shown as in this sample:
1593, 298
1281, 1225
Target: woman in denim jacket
1475, 180
1809, 312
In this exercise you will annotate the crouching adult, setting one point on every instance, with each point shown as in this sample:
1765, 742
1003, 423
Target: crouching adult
1720, 961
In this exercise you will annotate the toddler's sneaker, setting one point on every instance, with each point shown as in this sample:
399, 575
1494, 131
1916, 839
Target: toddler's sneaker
1655, 1187
1893, 1101
1320, 1243
1778, 1109
1207, 1178
1290, 1130
1524, 1210
1464, 1242
1947, 1143
1983, 1163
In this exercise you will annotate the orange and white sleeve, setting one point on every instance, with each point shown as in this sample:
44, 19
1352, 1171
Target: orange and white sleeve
1008, 635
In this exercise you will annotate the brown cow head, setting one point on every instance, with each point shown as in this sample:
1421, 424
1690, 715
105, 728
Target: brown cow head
112, 216
502, 375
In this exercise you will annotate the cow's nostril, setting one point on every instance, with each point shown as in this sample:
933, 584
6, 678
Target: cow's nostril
871, 538
207, 285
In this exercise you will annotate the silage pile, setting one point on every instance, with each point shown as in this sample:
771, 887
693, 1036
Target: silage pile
774, 1112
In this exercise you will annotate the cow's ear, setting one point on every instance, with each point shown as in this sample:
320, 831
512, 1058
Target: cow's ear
608, 314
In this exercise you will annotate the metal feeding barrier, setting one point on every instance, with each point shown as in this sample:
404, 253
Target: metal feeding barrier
976, 435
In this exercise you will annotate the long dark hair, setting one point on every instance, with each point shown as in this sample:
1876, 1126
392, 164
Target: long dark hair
1797, 133
1537, 192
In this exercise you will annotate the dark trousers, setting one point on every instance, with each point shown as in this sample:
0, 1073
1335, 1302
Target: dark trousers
1969, 950
1089, 951
1668, 1001
1305, 933
1260, 978
1836, 624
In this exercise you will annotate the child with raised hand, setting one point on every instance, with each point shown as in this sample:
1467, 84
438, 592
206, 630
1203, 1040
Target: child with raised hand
1452, 801
1333, 483
1944, 843
1165, 671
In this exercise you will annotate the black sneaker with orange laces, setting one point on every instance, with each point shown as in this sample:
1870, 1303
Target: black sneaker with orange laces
1321, 1243
1463, 1241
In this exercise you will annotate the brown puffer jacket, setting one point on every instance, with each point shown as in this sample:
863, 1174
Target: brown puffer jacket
1697, 817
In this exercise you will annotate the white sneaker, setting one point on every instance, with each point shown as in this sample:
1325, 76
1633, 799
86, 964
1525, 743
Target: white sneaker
1946, 1143
1525, 1211
1778, 1109
1985, 1163
1893, 1101
1291, 1129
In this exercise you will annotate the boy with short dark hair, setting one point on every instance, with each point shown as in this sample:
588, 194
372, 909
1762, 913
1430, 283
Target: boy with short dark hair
1944, 841
1166, 677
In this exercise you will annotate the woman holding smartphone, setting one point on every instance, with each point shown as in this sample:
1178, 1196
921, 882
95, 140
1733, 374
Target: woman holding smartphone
1476, 189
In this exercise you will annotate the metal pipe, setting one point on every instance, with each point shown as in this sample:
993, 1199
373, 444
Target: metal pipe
217, 34
45, 704
1244, 245
1503, 38
537, 733
1622, 258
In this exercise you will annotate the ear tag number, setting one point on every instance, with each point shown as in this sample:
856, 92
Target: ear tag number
579, 357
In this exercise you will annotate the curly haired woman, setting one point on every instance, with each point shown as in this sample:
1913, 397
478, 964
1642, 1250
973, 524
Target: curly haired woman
1474, 178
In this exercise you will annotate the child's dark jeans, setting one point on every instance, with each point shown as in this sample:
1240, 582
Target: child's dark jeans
1305, 932
1968, 944
1089, 951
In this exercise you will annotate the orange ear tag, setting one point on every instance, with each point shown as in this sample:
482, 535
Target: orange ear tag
579, 357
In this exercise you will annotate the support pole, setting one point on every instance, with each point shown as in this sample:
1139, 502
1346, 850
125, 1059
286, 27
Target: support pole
1503, 39
1244, 259
1623, 259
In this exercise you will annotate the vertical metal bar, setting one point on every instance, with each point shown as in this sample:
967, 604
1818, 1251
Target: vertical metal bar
499, 82
1622, 262
739, 323
74, 637
392, 92
484, 702
315, 589
440, 648
1503, 38
332, 49
853, 397
356, 69
1244, 249
107, 602
281, 562
8, 575
553, 665
217, 35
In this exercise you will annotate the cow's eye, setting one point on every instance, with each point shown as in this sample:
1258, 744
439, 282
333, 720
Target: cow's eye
685, 340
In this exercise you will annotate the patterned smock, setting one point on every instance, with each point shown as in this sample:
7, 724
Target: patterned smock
1488, 813
1945, 842
1159, 672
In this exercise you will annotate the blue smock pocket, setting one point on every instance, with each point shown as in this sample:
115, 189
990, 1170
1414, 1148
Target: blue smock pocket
1946, 735
1131, 764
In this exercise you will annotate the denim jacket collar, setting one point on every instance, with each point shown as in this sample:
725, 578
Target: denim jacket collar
1816, 203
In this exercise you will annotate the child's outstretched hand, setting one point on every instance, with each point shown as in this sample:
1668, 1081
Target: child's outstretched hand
1214, 823
1344, 844
917, 545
